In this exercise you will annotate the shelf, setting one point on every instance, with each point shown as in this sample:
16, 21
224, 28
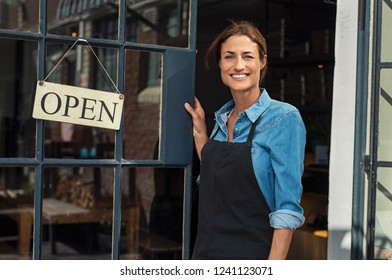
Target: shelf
317, 169
303, 60
315, 108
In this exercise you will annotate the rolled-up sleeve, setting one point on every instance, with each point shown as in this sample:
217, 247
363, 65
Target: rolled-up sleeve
286, 219
287, 155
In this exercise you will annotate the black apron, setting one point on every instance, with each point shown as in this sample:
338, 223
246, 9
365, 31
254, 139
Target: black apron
233, 220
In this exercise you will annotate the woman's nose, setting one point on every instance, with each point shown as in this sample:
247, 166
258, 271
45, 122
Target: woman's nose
239, 64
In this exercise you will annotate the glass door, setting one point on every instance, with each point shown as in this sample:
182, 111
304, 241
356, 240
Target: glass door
69, 191
379, 231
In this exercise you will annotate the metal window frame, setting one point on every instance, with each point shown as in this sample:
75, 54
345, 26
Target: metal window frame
373, 161
169, 155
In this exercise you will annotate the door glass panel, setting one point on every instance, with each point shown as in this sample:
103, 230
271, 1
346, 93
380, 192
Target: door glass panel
158, 22
83, 18
17, 79
383, 230
77, 221
385, 116
19, 15
80, 68
16, 212
142, 104
386, 33
77, 211
154, 205
69, 141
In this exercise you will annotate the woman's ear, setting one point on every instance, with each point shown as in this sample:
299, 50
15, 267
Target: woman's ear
263, 62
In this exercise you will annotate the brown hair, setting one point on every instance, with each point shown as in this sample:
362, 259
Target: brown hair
245, 28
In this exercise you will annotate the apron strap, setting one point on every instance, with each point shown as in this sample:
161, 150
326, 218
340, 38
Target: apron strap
252, 130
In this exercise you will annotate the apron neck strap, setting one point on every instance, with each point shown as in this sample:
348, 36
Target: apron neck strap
252, 130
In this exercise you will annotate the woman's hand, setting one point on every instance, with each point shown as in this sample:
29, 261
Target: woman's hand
199, 125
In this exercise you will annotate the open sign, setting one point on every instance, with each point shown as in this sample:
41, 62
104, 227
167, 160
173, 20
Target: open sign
77, 105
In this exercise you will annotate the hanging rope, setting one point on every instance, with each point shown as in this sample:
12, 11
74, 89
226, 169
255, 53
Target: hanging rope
92, 50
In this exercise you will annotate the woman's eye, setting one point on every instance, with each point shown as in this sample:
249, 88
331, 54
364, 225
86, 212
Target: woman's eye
248, 57
229, 57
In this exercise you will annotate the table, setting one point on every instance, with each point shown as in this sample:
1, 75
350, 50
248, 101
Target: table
55, 211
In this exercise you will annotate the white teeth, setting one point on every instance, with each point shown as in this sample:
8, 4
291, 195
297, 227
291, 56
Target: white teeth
239, 76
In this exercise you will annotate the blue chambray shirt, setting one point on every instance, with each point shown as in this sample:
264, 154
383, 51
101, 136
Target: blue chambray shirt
278, 148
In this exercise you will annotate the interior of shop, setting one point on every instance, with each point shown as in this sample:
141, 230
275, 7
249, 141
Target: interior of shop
300, 42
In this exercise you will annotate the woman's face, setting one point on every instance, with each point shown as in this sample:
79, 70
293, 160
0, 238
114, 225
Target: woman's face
241, 64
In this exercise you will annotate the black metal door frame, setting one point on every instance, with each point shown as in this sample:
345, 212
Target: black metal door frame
172, 152
376, 94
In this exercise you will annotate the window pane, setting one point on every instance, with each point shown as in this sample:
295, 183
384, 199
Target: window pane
383, 232
17, 85
155, 199
385, 116
71, 141
386, 33
84, 18
80, 68
142, 104
77, 213
19, 15
16, 212
158, 22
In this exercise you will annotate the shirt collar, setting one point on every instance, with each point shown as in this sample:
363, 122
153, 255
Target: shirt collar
252, 112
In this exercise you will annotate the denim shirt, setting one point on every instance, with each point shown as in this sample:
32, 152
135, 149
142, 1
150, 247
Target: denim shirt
278, 148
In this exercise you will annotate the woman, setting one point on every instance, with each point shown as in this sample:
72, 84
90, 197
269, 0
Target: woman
251, 166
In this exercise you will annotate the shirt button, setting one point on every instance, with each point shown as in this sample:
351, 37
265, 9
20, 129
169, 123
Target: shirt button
236, 129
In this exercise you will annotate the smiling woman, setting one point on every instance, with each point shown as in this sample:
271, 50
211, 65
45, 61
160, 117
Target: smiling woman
251, 165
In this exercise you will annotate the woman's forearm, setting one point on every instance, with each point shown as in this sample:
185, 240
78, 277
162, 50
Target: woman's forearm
280, 244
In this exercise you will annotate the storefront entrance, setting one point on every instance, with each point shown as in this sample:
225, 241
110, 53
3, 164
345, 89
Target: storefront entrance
72, 191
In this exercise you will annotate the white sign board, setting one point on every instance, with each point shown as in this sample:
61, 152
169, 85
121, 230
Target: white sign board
70, 104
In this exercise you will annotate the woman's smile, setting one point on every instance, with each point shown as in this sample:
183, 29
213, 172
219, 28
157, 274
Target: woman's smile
239, 76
